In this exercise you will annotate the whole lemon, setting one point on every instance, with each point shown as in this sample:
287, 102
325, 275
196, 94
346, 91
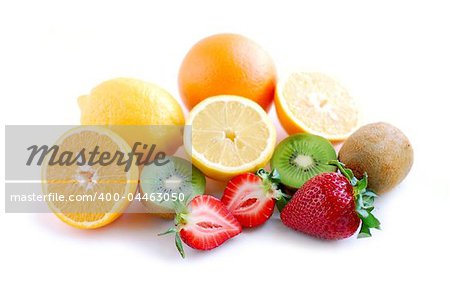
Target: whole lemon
133, 108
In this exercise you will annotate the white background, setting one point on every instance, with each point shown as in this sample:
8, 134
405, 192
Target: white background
393, 56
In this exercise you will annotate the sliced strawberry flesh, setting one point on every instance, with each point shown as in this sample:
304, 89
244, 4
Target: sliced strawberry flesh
247, 204
208, 224
242, 189
245, 196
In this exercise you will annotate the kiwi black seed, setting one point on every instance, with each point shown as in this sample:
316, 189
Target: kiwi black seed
302, 156
162, 186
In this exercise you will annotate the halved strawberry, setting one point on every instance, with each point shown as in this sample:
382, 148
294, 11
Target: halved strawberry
251, 197
205, 224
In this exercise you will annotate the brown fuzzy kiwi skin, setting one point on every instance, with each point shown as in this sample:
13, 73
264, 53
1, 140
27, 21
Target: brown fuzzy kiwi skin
381, 150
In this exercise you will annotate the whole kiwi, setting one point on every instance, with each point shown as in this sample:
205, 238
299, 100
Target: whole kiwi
381, 150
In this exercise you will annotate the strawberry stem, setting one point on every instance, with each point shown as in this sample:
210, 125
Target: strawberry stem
364, 199
169, 231
178, 242
272, 186
180, 218
179, 245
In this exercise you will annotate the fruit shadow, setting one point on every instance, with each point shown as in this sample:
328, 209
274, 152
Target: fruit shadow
137, 229
270, 232
141, 231
294, 238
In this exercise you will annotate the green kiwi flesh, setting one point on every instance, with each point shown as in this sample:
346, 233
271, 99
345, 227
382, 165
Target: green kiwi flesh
302, 156
177, 177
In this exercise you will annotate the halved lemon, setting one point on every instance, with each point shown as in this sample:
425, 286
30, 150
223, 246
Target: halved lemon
316, 103
90, 194
229, 135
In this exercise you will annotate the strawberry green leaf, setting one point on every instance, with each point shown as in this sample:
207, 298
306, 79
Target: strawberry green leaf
179, 245
180, 218
272, 187
362, 213
281, 203
269, 178
170, 230
370, 221
361, 185
369, 193
359, 202
275, 176
178, 242
262, 173
364, 199
281, 200
367, 202
364, 232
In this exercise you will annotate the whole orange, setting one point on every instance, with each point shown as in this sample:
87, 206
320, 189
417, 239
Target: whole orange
227, 64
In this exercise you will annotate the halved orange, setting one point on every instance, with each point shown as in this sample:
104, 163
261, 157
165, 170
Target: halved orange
316, 103
93, 195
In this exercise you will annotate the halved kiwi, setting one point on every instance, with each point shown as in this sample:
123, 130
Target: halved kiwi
302, 156
175, 181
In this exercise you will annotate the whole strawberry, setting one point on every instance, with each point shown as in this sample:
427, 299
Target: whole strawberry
332, 206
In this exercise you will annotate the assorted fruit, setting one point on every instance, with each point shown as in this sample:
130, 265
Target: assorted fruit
229, 83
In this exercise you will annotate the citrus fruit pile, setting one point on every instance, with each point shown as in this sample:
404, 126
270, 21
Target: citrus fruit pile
229, 82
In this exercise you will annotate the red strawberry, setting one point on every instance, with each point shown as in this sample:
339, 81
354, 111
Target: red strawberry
251, 198
332, 206
204, 224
